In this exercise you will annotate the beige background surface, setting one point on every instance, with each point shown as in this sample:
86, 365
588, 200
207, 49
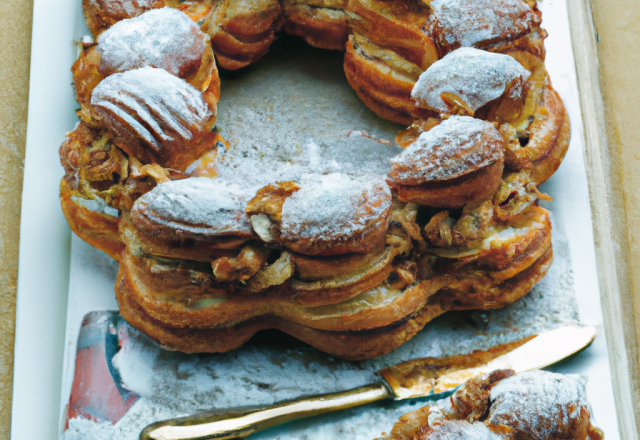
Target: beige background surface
618, 27
15, 35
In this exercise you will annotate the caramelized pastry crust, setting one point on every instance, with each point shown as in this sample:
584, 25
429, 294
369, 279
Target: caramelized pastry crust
155, 116
503, 406
458, 162
102, 14
194, 217
164, 38
353, 262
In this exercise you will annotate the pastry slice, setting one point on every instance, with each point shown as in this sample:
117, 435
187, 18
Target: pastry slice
536, 405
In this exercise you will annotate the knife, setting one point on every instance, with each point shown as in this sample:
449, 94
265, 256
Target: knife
428, 377
97, 392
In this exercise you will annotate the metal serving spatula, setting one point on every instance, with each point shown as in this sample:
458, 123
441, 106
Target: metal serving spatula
428, 377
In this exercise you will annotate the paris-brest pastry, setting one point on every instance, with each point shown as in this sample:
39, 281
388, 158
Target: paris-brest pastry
537, 405
353, 263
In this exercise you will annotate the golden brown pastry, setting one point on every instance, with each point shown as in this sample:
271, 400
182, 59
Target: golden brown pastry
488, 24
93, 166
383, 80
458, 162
241, 31
510, 90
340, 261
503, 249
137, 305
537, 405
468, 79
325, 215
163, 38
196, 216
155, 116
101, 14
322, 23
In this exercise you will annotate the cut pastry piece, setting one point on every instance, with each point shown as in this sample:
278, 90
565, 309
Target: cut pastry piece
536, 404
101, 14
155, 116
455, 163
456, 23
163, 38
467, 79
543, 405
193, 218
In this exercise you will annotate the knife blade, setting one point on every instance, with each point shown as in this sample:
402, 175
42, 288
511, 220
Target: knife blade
434, 378
98, 343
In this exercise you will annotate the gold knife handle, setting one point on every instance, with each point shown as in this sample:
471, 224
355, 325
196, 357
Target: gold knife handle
243, 423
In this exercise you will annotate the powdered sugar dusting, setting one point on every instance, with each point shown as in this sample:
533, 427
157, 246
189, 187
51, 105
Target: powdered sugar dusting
199, 205
462, 430
474, 75
353, 155
334, 206
171, 384
467, 22
537, 401
163, 38
448, 150
153, 98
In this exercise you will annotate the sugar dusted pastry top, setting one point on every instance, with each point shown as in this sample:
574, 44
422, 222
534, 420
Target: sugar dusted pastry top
156, 105
467, 22
197, 205
462, 430
163, 38
476, 76
457, 146
191, 249
537, 402
536, 405
334, 206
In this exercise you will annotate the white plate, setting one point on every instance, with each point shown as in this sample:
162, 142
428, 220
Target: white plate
43, 281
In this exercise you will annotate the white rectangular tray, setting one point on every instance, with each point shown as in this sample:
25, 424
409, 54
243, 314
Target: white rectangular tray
43, 282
